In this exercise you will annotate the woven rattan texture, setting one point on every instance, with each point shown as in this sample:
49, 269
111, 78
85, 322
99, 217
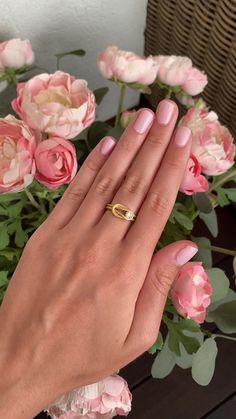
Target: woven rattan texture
204, 30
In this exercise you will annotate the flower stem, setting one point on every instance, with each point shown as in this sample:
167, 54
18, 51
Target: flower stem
120, 104
33, 201
219, 250
213, 335
223, 180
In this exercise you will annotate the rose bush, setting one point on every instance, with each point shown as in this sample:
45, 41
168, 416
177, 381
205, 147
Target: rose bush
17, 146
191, 292
56, 162
105, 399
126, 66
56, 104
212, 143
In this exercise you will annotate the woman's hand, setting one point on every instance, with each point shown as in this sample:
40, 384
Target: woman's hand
87, 296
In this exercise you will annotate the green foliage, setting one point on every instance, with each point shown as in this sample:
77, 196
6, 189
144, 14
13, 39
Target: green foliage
3, 283
203, 255
203, 202
220, 284
225, 196
224, 317
177, 335
100, 94
211, 221
77, 52
157, 345
185, 360
164, 362
96, 132
204, 362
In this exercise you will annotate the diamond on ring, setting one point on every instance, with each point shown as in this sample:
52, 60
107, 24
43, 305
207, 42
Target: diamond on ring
121, 211
129, 215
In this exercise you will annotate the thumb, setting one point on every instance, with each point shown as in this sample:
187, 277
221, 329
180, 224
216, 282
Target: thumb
150, 304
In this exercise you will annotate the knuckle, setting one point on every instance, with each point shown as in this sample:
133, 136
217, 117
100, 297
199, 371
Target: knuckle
75, 193
92, 165
105, 185
155, 140
127, 145
160, 203
162, 279
134, 185
172, 163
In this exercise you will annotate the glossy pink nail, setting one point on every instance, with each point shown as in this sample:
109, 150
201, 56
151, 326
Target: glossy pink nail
107, 145
143, 121
185, 254
182, 136
165, 111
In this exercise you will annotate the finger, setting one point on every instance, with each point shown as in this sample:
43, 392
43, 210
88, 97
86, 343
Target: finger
78, 188
113, 171
139, 177
150, 304
161, 197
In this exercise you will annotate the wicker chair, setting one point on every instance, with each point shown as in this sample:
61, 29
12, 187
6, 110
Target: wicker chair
204, 30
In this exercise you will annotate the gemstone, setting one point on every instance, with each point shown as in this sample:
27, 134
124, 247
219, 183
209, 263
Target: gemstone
129, 215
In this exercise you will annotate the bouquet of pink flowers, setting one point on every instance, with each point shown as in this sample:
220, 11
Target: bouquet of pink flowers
45, 141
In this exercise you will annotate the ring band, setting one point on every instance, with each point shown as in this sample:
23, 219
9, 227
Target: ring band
121, 211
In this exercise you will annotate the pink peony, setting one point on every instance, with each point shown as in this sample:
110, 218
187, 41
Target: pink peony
212, 143
17, 146
57, 104
195, 82
127, 117
173, 70
56, 162
126, 66
105, 399
15, 54
193, 181
191, 292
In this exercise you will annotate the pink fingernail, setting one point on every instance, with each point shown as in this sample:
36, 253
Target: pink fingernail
185, 254
165, 112
182, 136
107, 145
143, 121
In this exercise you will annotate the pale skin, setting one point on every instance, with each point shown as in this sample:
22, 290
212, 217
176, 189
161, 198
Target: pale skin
88, 294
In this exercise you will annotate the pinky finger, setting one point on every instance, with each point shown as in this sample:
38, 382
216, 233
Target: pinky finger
79, 187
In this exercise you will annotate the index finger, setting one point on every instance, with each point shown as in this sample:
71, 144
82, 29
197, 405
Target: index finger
161, 197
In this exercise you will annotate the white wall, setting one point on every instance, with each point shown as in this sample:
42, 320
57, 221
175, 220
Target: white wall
55, 26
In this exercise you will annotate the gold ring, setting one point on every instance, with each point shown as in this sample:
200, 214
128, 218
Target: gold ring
121, 211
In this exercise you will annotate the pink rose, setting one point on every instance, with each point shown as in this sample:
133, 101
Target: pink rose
126, 118
212, 143
17, 146
173, 70
105, 399
56, 162
56, 103
195, 82
191, 292
126, 66
16, 54
193, 181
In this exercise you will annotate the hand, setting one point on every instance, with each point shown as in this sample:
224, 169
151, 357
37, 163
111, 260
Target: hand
87, 296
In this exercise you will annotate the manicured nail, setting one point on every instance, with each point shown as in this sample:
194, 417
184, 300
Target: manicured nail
185, 254
165, 112
143, 121
182, 136
107, 145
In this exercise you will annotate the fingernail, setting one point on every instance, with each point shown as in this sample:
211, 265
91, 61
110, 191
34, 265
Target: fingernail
143, 121
165, 112
182, 136
107, 145
185, 254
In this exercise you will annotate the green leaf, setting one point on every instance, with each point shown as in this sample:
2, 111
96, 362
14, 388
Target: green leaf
203, 255
183, 220
177, 335
231, 296
116, 132
164, 362
14, 211
4, 237
231, 193
203, 202
224, 317
185, 360
9, 254
3, 278
100, 93
219, 282
204, 362
77, 52
157, 345
211, 222
222, 199
140, 87
96, 132
21, 236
